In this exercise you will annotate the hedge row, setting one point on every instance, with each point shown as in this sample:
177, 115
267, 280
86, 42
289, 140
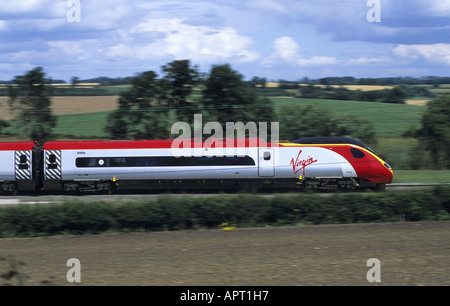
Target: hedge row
168, 212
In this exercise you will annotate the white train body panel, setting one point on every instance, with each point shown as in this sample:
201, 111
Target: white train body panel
16, 165
276, 163
7, 169
312, 162
71, 172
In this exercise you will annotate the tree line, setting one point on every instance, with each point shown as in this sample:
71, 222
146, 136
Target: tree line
389, 81
396, 94
153, 103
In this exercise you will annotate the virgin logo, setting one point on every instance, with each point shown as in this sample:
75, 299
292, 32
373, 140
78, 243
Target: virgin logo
300, 164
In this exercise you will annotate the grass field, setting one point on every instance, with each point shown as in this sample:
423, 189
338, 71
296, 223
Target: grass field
89, 125
390, 120
77, 113
422, 176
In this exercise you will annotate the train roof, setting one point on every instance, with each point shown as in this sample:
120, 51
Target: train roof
166, 143
18, 146
149, 144
328, 140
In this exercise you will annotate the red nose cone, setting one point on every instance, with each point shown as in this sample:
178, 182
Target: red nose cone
381, 173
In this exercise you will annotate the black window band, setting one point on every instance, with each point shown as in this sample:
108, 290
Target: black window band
163, 161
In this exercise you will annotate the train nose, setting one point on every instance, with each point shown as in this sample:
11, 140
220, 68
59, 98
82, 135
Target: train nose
390, 177
381, 173
388, 173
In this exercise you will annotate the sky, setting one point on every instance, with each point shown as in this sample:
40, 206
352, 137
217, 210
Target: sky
274, 39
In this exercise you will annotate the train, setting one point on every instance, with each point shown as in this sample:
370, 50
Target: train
102, 166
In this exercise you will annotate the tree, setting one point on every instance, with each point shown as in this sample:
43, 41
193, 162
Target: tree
434, 135
178, 83
304, 121
141, 113
258, 82
3, 124
354, 127
398, 94
29, 100
227, 98
75, 80
310, 121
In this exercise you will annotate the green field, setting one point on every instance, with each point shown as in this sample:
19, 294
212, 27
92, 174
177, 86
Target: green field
389, 120
422, 176
89, 125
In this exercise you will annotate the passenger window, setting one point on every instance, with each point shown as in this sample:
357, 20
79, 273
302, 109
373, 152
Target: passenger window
266, 155
357, 153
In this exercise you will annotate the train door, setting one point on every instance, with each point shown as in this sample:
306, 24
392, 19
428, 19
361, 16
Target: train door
52, 165
266, 162
23, 165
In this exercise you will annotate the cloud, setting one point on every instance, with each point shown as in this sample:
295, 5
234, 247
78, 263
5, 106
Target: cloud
172, 37
370, 60
402, 22
438, 8
21, 7
42, 10
257, 37
287, 50
43, 17
107, 15
275, 7
129, 33
435, 53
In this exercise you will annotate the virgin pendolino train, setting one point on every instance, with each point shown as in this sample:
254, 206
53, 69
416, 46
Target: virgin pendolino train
320, 163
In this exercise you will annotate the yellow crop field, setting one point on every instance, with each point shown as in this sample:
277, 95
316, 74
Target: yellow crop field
349, 87
70, 105
417, 102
